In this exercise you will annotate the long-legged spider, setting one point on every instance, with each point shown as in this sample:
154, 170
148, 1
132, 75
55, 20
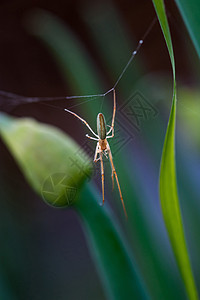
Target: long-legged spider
103, 147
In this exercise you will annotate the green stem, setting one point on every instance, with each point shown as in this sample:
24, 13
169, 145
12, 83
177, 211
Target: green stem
117, 269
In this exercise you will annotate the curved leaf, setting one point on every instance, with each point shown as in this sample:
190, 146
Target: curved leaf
168, 185
46, 157
190, 10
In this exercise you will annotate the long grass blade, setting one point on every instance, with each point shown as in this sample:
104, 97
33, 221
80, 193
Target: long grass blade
190, 10
168, 185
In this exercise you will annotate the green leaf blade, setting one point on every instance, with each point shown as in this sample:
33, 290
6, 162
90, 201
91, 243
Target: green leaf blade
171, 209
168, 184
190, 12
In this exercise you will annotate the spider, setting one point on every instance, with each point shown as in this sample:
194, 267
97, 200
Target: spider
102, 147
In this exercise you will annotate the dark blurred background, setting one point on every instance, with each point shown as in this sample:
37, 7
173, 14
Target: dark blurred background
43, 250
28, 69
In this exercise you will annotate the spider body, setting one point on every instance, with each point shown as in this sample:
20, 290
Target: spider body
103, 144
101, 126
102, 147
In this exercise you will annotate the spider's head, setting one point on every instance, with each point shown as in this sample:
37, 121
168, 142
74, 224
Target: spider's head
101, 126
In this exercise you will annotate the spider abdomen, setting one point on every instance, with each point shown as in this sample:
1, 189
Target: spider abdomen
101, 126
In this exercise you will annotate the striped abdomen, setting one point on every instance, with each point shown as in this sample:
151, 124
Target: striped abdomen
101, 126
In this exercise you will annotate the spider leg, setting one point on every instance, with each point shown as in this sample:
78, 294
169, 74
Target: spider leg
110, 136
97, 159
105, 153
96, 153
113, 117
91, 138
82, 120
111, 129
116, 177
112, 176
102, 175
